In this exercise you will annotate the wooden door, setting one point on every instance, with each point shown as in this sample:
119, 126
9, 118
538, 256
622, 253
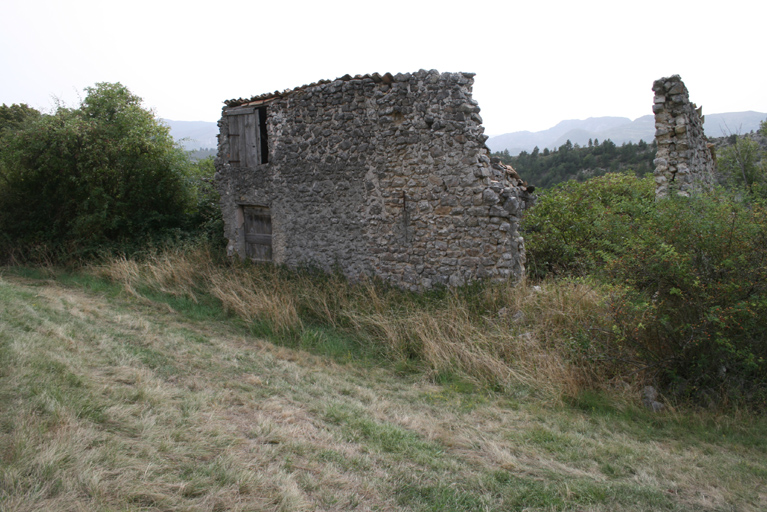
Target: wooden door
258, 233
234, 141
244, 136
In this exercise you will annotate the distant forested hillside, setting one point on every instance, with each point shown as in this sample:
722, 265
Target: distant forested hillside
618, 129
201, 154
193, 134
546, 168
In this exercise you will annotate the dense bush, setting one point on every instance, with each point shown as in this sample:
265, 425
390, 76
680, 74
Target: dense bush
15, 116
695, 300
574, 227
205, 220
689, 274
105, 174
742, 164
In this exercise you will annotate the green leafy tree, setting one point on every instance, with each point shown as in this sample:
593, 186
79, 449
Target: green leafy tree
206, 220
13, 117
743, 165
105, 172
575, 227
695, 296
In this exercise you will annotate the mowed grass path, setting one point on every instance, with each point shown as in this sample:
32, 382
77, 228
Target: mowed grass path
112, 402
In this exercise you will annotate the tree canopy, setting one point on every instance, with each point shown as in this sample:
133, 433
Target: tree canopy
104, 172
544, 169
13, 117
743, 163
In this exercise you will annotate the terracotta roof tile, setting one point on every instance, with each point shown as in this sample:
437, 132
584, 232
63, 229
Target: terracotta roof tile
386, 78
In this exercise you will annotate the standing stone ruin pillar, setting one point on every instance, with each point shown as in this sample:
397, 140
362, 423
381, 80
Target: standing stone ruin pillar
684, 164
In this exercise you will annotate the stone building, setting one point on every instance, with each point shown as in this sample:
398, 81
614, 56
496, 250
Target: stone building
374, 175
684, 163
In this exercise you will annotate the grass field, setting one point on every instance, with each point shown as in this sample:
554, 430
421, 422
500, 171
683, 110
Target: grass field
119, 397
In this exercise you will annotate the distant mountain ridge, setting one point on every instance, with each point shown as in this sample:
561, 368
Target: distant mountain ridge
203, 134
194, 134
618, 129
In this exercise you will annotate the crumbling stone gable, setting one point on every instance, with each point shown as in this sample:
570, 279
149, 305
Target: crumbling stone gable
684, 163
376, 175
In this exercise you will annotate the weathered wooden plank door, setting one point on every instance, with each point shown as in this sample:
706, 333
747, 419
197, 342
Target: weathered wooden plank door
249, 144
234, 140
258, 233
244, 136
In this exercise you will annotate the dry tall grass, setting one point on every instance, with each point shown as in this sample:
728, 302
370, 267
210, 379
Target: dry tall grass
106, 404
503, 335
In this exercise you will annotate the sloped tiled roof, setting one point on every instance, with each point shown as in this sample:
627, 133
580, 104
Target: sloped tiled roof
263, 98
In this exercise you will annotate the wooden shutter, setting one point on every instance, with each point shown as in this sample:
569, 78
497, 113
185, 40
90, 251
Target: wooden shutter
258, 233
244, 136
234, 141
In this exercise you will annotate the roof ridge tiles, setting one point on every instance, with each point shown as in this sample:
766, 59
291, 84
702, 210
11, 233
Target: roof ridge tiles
386, 78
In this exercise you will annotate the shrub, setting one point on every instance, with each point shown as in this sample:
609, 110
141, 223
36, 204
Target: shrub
695, 295
689, 279
205, 219
743, 166
575, 227
103, 173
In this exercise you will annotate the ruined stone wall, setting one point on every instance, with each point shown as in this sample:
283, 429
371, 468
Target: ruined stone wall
683, 164
381, 175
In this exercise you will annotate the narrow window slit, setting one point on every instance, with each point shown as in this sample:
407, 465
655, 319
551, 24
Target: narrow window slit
262, 131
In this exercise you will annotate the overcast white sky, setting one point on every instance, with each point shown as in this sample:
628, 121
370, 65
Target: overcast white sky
537, 62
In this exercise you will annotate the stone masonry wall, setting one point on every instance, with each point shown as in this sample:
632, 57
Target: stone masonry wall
684, 163
380, 175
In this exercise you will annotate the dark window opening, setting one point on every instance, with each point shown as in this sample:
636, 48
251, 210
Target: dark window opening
248, 144
258, 233
262, 133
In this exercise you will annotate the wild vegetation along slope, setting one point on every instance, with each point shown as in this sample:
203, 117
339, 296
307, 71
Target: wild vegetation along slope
146, 400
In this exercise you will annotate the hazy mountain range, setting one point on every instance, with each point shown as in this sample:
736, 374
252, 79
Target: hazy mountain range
202, 134
618, 129
194, 134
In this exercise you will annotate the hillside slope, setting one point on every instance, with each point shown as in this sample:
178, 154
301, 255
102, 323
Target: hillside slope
112, 401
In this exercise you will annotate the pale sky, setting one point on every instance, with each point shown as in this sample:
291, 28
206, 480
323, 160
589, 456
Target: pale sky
537, 62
